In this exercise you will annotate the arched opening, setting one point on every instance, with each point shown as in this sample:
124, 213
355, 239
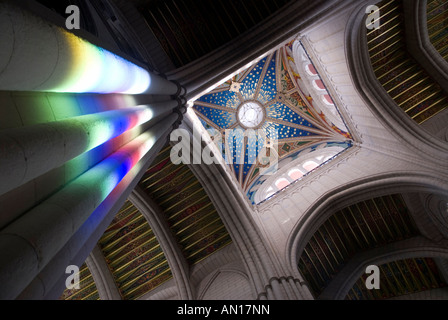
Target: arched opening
309, 68
327, 100
360, 227
411, 87
362, 209
295, 174
318, 84
281, 183
411, 278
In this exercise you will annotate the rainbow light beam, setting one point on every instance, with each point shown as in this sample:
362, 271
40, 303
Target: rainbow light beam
96, 70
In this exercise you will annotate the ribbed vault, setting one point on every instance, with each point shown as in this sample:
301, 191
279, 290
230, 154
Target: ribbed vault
282, 98
411, 87
365, 225
399, 278
190, 214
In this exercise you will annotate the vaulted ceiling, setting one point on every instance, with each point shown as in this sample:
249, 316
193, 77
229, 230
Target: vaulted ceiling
412, 88
131, 249
188, 30
360, 227
270, 93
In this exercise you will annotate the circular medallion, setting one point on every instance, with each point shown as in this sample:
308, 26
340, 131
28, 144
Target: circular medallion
250, 114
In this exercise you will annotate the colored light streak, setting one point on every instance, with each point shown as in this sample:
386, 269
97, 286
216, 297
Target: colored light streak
108, 173
96, 70
110, 124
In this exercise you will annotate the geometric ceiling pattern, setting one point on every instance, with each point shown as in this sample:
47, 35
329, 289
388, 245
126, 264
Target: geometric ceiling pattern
400, 278
133, 254
267, 98
411, 87
190, 214
365, 225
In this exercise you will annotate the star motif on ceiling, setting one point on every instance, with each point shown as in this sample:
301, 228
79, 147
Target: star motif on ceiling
263, 98
235, 86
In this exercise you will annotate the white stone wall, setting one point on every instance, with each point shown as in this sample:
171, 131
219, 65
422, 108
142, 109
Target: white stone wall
380, 151
222, 276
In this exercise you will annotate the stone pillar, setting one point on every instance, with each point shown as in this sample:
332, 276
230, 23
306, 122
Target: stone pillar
28, 244
38, 56
28, 152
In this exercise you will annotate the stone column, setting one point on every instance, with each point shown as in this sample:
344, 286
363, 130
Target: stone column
38, 56
28, 152
28, 244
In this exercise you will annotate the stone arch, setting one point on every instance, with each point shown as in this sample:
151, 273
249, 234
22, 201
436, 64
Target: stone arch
413, 248
376, 97
350, 194
221, 285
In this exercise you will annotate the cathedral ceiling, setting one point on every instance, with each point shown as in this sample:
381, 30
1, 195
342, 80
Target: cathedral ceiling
360, 227
189, 29
189, 212
271, 96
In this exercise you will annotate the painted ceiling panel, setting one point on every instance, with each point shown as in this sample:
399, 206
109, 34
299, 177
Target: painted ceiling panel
133, 254
268, 89
226, 98
266, 98
408, 84
359, 227
277, 110
189, 212
400, 278
250, 82
221, 118
437, 18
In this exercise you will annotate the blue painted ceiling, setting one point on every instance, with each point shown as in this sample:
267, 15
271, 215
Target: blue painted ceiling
290, 116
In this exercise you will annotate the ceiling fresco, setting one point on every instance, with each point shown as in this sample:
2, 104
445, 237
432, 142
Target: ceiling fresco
279, 100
